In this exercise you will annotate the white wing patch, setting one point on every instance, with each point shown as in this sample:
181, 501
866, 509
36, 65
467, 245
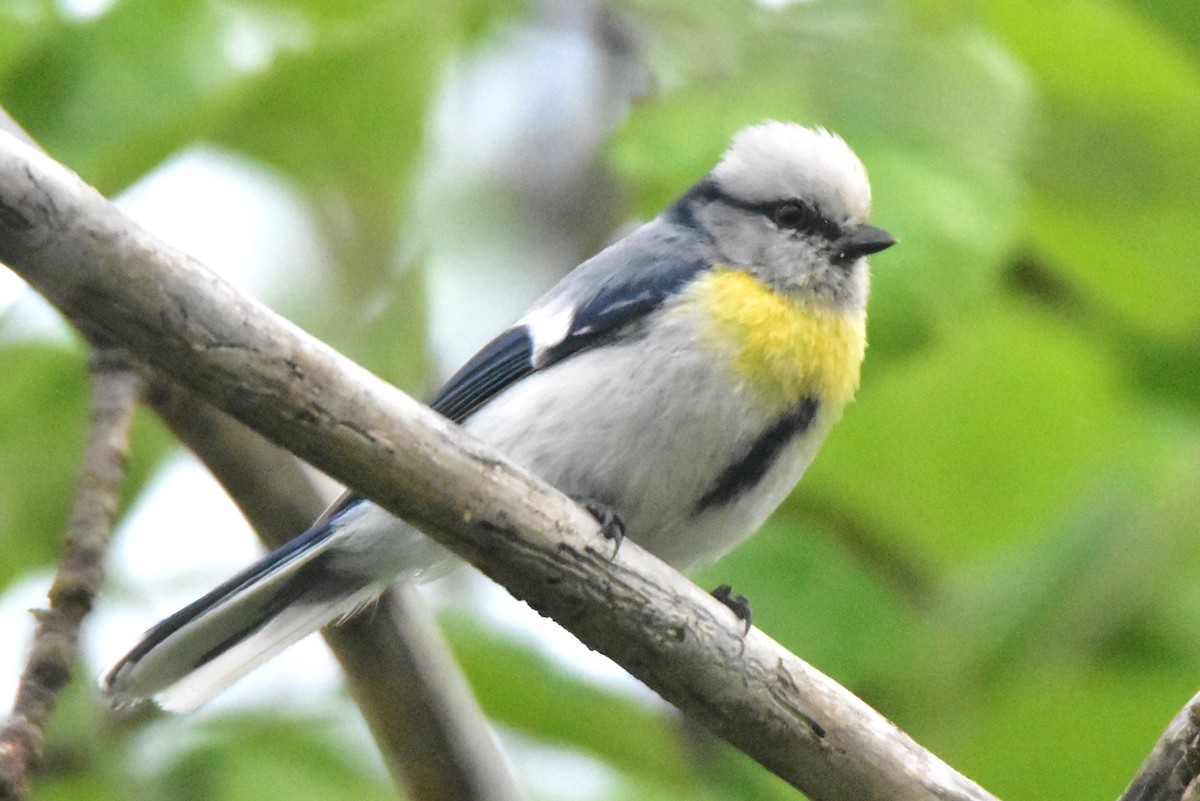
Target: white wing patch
548, 326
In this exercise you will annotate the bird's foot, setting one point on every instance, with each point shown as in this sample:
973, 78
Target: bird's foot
611, 524
736, 604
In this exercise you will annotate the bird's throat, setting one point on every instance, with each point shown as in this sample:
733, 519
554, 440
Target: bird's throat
780, 348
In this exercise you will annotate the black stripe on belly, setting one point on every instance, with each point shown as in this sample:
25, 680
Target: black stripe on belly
750, 468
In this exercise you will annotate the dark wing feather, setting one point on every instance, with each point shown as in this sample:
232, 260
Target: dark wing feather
268, 564
618, 300
507, 358
621, 303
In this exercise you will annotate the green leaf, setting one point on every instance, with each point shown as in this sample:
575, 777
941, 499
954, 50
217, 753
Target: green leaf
113, 96
1115, 171
1058, 732
22, 25
81, 762
257, 756
343, 116
809, 590
977, 444
43, 420
525, 692
44, 407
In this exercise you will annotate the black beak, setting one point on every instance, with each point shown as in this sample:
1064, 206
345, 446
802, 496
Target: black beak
861, 240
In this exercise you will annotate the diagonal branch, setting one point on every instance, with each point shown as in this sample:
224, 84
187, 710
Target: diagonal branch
115, 391
1172, 768
178, 316
432, 735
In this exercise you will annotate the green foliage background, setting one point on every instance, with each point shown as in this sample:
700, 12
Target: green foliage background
997, 547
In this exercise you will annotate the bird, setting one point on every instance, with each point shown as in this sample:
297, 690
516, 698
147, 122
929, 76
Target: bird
677, 384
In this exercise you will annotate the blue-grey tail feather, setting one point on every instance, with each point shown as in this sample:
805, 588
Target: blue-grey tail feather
297, 573
269, 563
302, 585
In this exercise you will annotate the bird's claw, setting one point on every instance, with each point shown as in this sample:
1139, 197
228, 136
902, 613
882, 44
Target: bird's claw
736, 604
611, 524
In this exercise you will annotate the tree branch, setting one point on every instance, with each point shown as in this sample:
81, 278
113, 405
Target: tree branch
178, 316
432, 735
434, 738
1170, 771
115, 390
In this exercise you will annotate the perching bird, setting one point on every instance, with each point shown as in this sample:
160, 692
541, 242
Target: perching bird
679, 382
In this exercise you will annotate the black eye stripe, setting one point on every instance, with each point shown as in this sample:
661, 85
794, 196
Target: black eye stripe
793, 214
799, 216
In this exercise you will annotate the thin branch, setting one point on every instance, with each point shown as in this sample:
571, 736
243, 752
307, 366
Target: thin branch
55, 651
674, 636
434, 738
1170, 771
410, 689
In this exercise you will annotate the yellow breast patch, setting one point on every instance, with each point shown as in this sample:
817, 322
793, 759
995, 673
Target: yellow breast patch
783, 349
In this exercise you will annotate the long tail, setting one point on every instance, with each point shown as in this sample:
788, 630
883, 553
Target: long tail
206, 646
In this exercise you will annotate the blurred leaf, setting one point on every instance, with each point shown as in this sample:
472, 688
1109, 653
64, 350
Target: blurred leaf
817, 599
343, 116
40, 452
334, 95
659, 754
1162, 369
1115, 172
1176, 18
113, 96
526, 693
977, 444
1052, 733
80, 763
22, 23
43, 419
1087, 594
1159, 368
726, 774
257, 756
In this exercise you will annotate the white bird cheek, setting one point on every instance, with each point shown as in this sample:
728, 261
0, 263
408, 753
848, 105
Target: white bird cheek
741, 237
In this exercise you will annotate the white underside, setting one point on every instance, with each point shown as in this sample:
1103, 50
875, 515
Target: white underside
646, 431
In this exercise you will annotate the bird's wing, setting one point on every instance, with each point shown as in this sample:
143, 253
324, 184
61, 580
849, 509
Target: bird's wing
507, 358
615, 289
604, 296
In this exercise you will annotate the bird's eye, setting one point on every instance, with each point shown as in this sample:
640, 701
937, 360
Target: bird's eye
793, 215
797, 216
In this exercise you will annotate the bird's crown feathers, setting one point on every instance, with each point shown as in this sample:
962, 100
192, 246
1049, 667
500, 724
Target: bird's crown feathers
780, 160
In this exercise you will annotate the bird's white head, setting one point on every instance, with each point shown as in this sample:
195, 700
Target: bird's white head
790, 204
782, 160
